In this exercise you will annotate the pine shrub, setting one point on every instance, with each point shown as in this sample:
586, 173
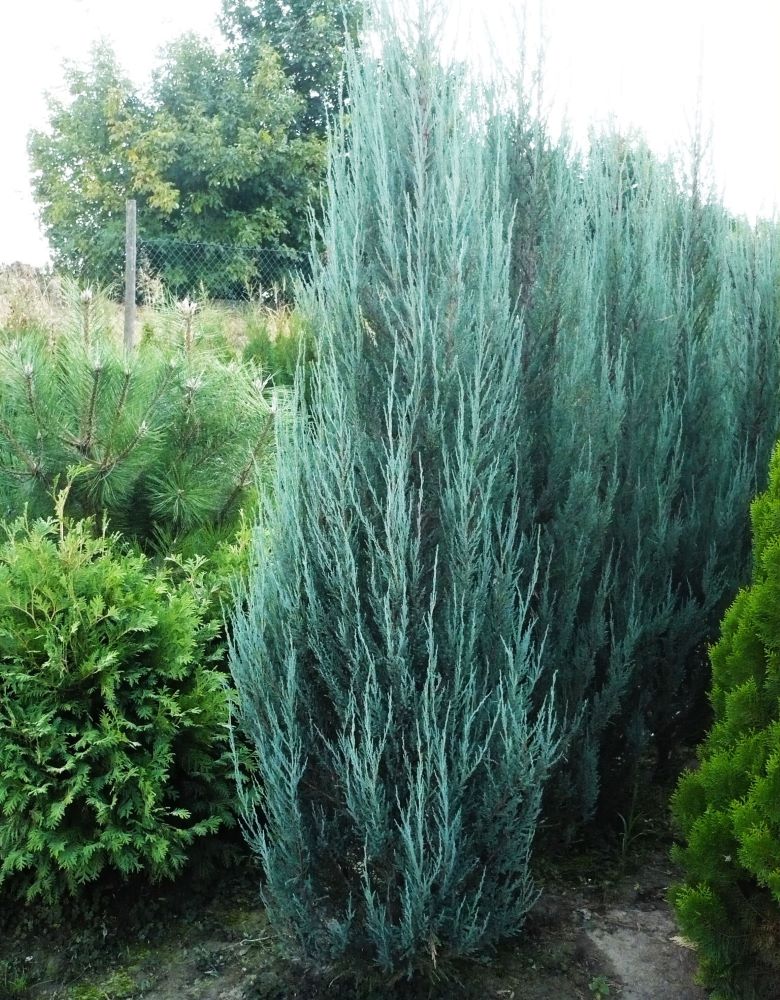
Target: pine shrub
165, 442
728, 808
276, 342
113, 741
383, 650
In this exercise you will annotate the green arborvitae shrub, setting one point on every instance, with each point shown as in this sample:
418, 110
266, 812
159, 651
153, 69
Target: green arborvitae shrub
113, 741
167, 441
383, 650
728, 808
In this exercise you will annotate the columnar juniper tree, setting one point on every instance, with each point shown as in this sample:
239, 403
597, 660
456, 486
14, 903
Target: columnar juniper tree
383, 649
650, 355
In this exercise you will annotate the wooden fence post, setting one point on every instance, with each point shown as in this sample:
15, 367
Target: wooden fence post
130, 276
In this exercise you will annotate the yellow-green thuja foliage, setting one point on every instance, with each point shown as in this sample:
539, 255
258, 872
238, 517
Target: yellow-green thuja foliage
384, 653
114, 752
728, 808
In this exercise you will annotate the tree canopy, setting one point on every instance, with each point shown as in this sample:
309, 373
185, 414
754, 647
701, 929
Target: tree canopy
81, 173
221, 146
309, 36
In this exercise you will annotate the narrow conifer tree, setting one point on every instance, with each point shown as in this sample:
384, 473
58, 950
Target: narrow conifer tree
651, 349
383, 649
728, 807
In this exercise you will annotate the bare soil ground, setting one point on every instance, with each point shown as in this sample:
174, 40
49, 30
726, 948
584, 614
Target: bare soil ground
592, 935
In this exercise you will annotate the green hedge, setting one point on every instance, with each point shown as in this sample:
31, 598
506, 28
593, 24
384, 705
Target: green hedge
113, 742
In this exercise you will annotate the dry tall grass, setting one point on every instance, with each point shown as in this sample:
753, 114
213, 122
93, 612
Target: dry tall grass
37, 301
30, 299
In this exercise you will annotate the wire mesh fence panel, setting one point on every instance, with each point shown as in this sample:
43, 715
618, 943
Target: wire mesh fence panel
101, 264
226, 272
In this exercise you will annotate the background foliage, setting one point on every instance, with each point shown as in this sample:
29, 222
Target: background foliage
310, 39
223, 147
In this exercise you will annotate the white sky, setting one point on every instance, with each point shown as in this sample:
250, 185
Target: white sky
637, 61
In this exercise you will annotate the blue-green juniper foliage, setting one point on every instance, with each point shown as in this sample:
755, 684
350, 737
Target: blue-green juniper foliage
650, 379
383, 649
511, 516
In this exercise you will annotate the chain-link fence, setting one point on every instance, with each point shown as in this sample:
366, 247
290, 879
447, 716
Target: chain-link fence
129, 264
228, 272
182, 269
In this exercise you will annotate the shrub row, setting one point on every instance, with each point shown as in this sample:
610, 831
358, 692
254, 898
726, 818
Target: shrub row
508, 513
509, 518
127, 485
